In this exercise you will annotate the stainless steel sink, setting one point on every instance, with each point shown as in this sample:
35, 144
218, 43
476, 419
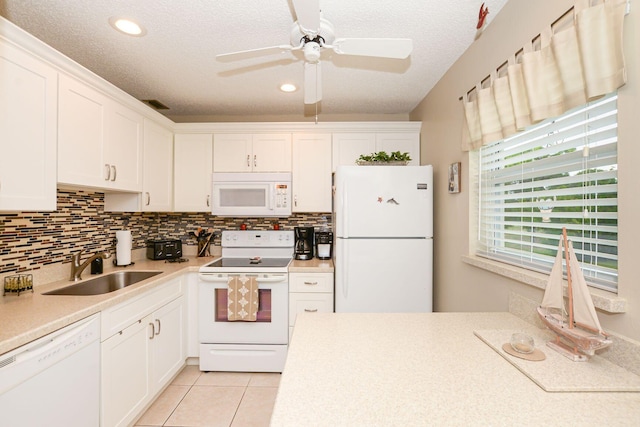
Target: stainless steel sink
105, 284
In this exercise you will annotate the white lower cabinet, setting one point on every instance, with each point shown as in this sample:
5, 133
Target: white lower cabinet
125, 377
309, 293
167, 355
143, 347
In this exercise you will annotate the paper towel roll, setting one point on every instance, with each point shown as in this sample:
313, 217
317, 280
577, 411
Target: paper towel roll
123, 247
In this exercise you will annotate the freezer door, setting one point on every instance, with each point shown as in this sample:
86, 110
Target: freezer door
383, 275
384, 201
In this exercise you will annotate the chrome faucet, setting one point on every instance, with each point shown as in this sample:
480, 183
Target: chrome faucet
77, 268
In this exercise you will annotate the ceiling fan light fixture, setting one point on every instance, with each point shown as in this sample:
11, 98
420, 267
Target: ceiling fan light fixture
288, 87
127, 26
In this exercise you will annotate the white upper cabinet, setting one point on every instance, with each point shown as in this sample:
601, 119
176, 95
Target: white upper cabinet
311, 172
347, 147
28, 114
123, 147
252, 152
157, 195
192, 172
99, 140
402, 142
80, 134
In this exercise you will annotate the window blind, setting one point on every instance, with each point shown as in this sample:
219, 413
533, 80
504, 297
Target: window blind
559, 173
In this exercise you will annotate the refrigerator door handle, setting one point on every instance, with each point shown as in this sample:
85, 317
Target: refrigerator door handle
345, 211
344, 268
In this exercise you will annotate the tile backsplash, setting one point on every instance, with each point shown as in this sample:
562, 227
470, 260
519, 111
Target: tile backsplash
32, 240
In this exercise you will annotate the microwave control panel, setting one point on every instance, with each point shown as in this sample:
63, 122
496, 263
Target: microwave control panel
282, 195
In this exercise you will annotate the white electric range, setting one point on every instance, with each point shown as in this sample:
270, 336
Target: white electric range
246, 346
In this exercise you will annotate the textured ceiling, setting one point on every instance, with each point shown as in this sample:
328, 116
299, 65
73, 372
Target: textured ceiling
175, 61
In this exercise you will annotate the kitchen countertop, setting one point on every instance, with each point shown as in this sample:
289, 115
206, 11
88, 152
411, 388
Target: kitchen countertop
349, 369
29, 316
313, 265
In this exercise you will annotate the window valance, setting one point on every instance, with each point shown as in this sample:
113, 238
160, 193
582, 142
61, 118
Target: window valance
576, 59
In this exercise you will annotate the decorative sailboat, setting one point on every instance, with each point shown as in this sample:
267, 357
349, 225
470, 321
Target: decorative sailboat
578, 332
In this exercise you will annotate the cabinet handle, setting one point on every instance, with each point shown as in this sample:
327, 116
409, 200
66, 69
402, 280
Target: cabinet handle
148, 198
107, 168
153, 331
255, 161
248, 157
208, 197
309, 310
295, 200
115, 172
159, 326
311, 283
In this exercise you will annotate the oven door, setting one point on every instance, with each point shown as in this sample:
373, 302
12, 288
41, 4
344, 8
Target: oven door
271, 326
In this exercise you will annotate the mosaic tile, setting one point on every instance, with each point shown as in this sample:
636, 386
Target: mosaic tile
31, 240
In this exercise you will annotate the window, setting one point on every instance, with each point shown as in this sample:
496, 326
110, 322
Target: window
559, 173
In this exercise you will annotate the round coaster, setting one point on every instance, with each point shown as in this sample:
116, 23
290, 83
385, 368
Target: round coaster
535, 356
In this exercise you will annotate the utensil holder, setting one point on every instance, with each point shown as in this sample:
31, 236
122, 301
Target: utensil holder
203, 245
17, 284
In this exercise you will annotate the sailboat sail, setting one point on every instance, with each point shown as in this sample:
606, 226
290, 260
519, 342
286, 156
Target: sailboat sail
553, 295
583, 310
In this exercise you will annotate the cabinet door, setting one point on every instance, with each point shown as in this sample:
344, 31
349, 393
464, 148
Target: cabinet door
311, 282
28, 127
123, 147
193, 163
403, 142
81, 112
125, 374
271, 153
347, 147
168, 343
232, 153
309, 303
311, 177
158, 168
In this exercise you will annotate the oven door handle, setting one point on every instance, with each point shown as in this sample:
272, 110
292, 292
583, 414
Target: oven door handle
224, 278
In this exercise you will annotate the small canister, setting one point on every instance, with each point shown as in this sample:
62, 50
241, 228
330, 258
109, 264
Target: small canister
96, 266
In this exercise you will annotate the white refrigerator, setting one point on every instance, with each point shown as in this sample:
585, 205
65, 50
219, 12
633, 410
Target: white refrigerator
383, 228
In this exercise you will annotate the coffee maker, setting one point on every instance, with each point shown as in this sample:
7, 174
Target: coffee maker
324, 244
303, 248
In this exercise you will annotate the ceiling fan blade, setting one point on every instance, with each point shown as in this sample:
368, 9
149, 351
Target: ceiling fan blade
252, 53
308, 13
382, 48
312, 83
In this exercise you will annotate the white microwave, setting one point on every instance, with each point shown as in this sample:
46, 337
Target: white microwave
251, 194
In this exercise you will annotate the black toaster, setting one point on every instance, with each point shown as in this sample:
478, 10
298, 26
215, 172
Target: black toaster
164, 249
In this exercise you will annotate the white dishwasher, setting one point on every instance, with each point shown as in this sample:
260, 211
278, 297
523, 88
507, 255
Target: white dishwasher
54, 380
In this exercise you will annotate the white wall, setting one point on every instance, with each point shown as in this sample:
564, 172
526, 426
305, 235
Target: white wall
461, 287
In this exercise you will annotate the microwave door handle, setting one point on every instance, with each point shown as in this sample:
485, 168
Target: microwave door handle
272, 196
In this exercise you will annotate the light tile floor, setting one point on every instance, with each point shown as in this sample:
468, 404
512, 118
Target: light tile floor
214, 399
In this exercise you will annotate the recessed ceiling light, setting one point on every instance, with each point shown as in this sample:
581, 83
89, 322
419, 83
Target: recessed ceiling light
127, 26
288, 87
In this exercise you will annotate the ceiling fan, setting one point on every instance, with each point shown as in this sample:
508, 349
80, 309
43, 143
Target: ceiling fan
311, 34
